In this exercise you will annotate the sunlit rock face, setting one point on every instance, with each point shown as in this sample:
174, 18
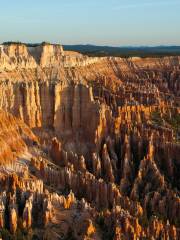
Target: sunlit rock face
14, 137
89, 147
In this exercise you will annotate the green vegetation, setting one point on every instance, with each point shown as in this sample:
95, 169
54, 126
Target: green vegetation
171, 121
125, 52
156, 118
19, 235
29, 44
100, 221
13, 42
70, 236
174, 121
5, 234
129, 54
108, 233
144, 221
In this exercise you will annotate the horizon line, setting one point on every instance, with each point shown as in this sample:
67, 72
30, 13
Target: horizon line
95, 45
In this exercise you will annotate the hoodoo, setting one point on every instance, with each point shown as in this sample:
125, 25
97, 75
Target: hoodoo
89, 146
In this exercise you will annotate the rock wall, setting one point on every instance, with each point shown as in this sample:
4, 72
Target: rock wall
66, 109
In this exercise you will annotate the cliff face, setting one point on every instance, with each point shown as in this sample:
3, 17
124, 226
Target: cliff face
66, 109
108, 130
14, 55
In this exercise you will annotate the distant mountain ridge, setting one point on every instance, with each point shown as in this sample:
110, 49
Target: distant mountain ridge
144, 51
123, 51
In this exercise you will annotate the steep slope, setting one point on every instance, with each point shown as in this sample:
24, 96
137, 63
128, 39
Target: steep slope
15, 136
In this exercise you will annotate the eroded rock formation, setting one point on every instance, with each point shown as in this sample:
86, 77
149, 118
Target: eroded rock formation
89, 147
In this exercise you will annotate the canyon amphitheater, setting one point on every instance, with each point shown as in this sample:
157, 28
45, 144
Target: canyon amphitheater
89, 146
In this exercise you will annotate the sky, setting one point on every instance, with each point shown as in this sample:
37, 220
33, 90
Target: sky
99, 22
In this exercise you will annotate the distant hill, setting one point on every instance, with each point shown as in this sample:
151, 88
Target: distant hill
92, 50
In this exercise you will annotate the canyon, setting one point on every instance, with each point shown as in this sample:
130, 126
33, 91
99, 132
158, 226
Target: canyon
89, 146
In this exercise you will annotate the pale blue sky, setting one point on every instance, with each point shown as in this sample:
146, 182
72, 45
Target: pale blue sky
101, 22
